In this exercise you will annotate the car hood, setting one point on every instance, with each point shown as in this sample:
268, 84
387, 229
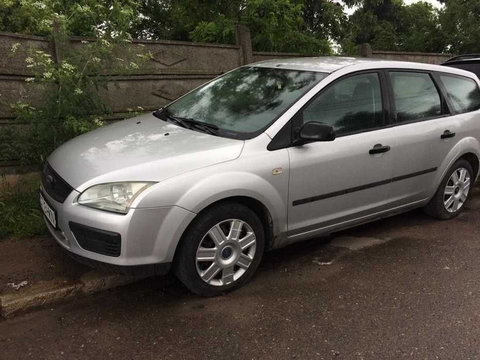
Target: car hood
143, 148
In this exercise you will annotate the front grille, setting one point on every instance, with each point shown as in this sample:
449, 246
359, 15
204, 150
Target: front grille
54, 185
99, 241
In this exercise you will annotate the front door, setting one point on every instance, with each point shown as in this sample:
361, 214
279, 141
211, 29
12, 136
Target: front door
348, 178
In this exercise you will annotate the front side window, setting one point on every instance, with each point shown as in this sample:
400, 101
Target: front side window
350, 105
246, 100
463, 93
415, 96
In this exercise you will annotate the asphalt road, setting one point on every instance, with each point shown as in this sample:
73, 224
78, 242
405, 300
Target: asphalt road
416, 295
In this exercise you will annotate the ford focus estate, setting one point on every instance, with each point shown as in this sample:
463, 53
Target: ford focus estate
263, 156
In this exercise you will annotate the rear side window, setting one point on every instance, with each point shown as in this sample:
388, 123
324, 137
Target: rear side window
350, 105
463, 93
415, 96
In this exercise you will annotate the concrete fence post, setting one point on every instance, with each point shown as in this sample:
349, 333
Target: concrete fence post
365, 50
244, 40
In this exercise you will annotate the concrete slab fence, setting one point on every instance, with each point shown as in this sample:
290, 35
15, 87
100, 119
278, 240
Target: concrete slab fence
175, 68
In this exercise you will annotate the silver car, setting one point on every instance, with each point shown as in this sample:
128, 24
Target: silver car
261, 157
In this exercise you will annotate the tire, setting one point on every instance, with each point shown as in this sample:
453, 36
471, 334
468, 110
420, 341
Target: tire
445, 205
214, 257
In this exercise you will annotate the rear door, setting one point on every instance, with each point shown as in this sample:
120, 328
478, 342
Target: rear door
426, 133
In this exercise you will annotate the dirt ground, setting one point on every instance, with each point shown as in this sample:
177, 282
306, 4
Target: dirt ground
414, 295
34, 260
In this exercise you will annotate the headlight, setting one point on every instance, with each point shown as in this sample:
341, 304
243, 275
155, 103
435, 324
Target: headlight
116, 197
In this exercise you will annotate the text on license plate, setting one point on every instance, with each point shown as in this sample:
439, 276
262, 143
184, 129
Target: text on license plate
48, 212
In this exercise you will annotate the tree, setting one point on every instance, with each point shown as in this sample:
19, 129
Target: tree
176, 19
392, 25
421, 30
460, 23
324, 18
374, 22
275, 25
305, 26
278, 25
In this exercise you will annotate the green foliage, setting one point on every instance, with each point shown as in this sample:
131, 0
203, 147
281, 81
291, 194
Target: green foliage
21, 216
324, 19
71, 104
108, 18
221, 30
28, 17
176, 19
304, 26
392, 25
460, 21
275, 25
421, 30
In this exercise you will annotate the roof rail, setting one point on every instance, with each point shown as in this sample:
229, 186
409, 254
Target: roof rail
464, 57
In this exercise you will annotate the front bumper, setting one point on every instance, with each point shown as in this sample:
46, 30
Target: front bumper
132, 270
149, 236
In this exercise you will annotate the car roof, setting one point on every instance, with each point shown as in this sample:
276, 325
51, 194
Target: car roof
326, 64
330, 64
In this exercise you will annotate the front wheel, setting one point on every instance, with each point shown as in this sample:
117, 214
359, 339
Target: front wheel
453, 193
221, 250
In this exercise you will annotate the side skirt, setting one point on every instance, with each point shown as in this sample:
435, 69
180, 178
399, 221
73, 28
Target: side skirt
345, 223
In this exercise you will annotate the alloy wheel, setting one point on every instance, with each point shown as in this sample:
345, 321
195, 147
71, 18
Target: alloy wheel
225, 252
456, 190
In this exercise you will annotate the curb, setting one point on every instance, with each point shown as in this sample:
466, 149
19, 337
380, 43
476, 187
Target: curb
59, 290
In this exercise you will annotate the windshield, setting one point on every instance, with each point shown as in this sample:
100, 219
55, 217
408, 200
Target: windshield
243, 102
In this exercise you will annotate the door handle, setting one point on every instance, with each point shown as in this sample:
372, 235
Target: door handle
378, 149
447, 134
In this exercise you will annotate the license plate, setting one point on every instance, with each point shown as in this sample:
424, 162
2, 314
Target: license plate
48, 212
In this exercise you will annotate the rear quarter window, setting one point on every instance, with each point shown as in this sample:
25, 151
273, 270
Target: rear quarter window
463, 93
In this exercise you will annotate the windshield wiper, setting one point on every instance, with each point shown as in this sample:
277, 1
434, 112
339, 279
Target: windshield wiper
210, 128
188, 123
165, 115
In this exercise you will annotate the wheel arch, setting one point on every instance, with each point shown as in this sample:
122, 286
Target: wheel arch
436, 207
468, 149
473, 160
253, 204
198, 191
268, 200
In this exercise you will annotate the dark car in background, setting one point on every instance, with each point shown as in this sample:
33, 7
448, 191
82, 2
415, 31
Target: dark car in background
469, 62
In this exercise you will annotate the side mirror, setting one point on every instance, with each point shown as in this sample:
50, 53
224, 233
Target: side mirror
315, 131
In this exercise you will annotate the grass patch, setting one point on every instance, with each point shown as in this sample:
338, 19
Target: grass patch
20, 213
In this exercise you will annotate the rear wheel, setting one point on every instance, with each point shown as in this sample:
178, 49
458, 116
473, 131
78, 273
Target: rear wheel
221, 250
453, 193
